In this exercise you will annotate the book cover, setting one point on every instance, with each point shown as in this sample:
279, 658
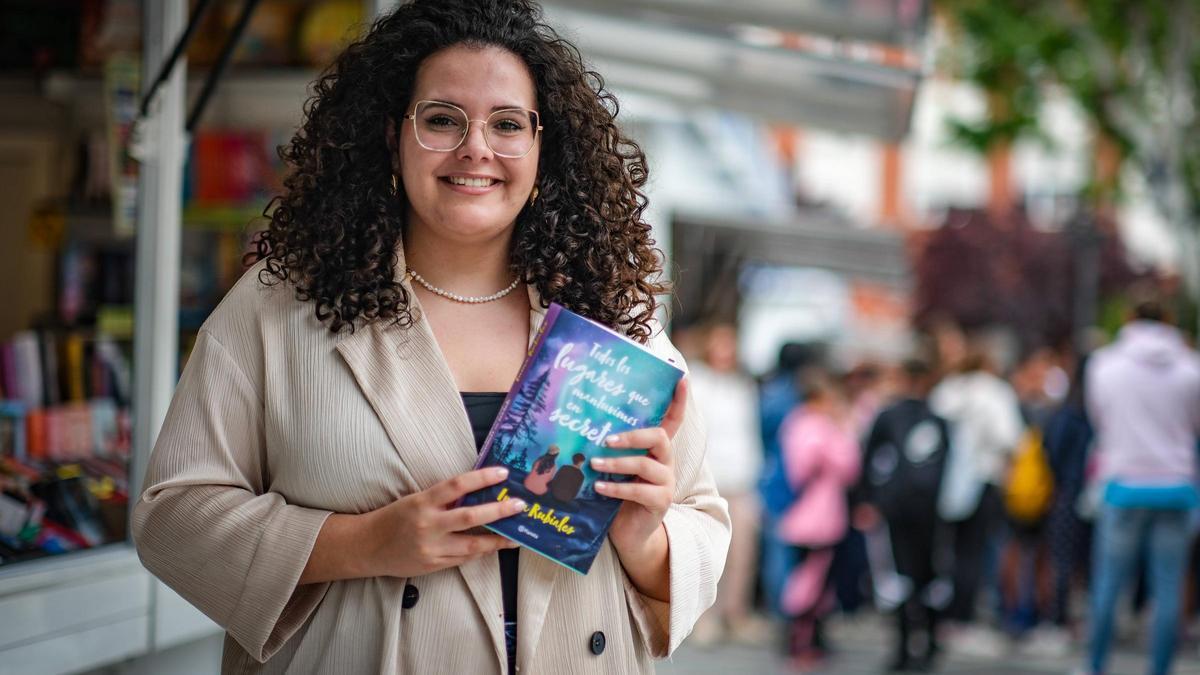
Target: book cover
580, 383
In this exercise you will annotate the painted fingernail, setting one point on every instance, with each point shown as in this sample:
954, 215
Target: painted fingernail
613, 440
599, 462
500, 472
519, 504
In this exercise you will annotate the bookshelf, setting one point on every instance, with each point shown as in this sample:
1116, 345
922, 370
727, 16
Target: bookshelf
105, 309
58, 372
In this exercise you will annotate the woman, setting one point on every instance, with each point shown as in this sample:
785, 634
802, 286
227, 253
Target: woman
728, 400
457, 169
542, 471
820, 454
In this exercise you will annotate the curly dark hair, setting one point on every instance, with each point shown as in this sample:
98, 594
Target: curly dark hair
334, 233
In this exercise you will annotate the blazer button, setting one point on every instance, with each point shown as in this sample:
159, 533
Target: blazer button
597, 643
411, 595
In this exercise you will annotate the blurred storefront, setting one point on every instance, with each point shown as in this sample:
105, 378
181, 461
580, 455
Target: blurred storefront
798, 165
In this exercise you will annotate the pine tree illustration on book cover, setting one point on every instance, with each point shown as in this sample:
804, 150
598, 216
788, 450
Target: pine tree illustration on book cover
580, 383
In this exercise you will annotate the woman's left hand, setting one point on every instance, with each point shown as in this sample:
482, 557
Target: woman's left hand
637, 531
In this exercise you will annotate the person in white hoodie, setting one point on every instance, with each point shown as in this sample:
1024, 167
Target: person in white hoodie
985, 421
1143, 398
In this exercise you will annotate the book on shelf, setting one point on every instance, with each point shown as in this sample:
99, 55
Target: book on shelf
26, 379
92, 278
64, 396
580, 383
232, 167
50, 506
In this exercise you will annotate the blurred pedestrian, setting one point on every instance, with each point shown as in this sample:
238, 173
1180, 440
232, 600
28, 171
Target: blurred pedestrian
1067, 439
867, 391
1028, 497
1143, 399
728, 400
822, 455
902, 470
780, 393
986, 426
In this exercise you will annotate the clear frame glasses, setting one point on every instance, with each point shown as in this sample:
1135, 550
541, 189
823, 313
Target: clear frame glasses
442, 127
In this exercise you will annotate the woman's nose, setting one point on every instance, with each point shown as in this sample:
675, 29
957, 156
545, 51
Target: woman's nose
475, 144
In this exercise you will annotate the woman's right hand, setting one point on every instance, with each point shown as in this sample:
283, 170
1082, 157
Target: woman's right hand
424, 532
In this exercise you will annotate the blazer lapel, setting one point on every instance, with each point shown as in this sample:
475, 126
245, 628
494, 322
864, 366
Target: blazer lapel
404, 376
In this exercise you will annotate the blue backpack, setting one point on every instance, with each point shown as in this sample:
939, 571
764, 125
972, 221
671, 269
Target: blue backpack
778, 398
773, 486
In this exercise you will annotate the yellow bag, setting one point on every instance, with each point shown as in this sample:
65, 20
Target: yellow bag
1030, 487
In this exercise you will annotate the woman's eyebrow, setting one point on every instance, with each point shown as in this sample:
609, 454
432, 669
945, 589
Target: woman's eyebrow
509, 106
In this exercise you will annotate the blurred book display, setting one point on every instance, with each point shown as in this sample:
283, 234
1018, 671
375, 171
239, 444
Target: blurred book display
64, 443
73, 595
66, 356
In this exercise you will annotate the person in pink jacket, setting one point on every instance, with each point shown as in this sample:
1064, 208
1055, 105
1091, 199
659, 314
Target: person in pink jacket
822, 460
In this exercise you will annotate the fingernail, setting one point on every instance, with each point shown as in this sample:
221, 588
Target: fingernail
598, 462
613, 440
601, 485
500, 472
519, 503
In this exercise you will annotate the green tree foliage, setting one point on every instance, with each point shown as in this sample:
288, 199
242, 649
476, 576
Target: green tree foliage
1131, 66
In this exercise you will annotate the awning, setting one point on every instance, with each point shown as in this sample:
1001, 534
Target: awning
741, 56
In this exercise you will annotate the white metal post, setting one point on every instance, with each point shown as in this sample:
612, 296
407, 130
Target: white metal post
156, 296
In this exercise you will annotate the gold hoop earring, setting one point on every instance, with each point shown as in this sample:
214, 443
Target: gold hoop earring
395, 185
533, 195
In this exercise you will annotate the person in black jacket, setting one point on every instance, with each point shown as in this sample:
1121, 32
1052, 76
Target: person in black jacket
902, 471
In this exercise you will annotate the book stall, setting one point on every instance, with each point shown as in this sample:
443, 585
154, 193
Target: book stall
92, 243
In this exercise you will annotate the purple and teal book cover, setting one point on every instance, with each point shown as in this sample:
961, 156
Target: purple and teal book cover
580, 383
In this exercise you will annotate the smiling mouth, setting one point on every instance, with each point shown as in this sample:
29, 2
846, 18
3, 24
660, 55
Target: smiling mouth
471, 182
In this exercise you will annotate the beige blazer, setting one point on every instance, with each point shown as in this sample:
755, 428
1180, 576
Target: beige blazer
276, 423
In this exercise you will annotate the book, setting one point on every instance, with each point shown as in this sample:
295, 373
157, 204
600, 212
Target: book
27, 368
580, 383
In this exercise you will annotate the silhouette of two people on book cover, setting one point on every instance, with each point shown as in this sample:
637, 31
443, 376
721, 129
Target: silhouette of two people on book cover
562, 485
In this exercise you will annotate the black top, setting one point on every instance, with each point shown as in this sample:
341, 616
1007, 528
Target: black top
482, 409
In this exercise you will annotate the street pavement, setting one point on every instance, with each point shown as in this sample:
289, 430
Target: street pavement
861, 645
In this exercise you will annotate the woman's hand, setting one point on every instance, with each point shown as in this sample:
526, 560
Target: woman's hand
424, 532
414, 535
637, 532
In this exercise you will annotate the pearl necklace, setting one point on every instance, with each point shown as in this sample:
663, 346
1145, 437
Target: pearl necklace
467, 299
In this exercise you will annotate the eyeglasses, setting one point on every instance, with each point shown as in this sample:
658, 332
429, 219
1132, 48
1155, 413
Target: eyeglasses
442, 127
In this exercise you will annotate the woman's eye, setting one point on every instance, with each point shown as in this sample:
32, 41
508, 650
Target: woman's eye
442, 121
508, 126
